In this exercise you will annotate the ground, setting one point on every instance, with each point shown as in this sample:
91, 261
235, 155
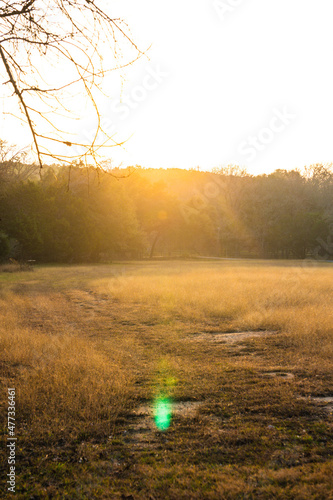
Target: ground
176, 380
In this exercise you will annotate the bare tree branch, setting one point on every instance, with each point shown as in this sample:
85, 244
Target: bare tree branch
36, 33
22, 102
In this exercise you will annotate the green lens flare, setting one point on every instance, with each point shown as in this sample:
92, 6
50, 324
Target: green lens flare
162, 413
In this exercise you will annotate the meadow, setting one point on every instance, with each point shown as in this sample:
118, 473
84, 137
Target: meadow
207, 379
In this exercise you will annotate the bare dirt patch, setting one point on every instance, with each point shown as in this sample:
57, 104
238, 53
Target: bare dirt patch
232, 337
280, 375
325, 402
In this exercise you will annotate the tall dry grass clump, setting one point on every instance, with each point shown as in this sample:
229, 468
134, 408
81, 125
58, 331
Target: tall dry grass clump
65, 382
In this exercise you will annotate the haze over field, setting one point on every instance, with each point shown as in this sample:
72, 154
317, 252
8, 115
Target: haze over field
80, 215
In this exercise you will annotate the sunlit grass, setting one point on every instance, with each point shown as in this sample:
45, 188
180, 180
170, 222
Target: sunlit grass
294, 300
63, 378
87, 345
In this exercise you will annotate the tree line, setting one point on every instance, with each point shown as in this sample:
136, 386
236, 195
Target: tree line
75, 214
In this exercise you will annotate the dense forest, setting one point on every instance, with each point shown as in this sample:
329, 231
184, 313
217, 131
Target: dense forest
72, 214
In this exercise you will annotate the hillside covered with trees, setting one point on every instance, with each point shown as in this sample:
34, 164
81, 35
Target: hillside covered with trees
87, 215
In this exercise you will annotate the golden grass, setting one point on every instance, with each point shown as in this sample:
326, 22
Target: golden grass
62, 377
293, 300
86, 345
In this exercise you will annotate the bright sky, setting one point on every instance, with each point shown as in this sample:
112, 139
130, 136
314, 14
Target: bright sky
228, 81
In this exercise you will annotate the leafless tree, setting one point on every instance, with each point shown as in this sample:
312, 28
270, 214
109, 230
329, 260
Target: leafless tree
14, 165
77, 37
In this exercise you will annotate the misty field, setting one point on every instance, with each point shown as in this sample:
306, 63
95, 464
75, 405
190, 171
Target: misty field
203, 379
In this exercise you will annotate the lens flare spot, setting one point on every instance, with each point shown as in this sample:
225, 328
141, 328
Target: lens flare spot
162, 413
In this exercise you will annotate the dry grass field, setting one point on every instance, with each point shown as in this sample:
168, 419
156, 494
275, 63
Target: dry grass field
175, 380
